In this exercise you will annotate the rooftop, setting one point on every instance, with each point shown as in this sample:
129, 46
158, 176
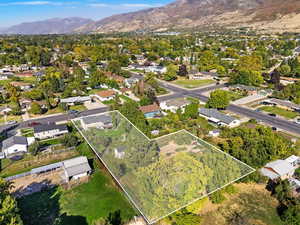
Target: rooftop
106, 93
214, 113
149, 108
76, 166
51, 126
97, 119
14, 140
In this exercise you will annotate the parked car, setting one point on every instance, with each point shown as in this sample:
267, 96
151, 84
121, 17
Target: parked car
12, 122
73, 112
32, 124
272, 114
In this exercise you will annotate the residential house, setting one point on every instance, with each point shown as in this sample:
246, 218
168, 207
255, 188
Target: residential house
156, 69
22, 85
174, 104
98, 121
150, 111
214, 133
281, 169
221, 119
250, 90
76, 168
76, 100
49, 130
14, 145
4, 110
106, 95
119, 152
25, 103
129, 82
126, 91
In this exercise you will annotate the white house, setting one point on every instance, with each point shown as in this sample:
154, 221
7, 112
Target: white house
156, 69
77, 99
119, 152
98, 121
106, 95
174, 104
76, 168
49, 130
213, 115
283, 169
14, 145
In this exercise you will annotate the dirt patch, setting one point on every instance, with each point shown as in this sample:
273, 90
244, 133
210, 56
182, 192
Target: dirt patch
35, 183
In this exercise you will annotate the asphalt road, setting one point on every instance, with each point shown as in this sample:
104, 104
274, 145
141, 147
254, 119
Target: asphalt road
181, 92
259, 116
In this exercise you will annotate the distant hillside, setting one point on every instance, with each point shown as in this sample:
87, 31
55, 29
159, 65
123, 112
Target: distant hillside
51, 26
272, 15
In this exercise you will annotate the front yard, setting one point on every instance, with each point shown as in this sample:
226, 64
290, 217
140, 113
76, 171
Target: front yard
193, 83
280, 112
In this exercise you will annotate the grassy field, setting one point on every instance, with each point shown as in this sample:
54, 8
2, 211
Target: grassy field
82, 205
279, 111
252, 205
193, 83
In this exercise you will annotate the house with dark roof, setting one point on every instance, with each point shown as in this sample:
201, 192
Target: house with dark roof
150, 111
49, 130
221, 119
14, 145
76, 168
98, 121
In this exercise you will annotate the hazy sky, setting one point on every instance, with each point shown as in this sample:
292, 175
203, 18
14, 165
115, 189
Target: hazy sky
17, 11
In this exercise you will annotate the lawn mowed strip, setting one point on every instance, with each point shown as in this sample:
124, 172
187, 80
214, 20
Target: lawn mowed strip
193, 83
279, 111
81, 205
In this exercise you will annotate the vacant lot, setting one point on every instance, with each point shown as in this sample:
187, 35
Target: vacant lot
252, 205
82, 205
279, 111
193, 83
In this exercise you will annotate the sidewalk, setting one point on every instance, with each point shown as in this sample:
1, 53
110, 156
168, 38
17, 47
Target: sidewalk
41, 117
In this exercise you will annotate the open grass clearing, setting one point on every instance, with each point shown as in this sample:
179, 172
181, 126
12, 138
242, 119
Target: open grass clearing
193, 83
280, 112
81, 205
78, 107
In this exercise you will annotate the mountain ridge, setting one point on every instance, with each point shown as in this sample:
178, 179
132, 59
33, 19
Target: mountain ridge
49, 26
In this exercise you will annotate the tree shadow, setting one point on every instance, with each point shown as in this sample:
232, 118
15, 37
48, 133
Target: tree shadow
43, 207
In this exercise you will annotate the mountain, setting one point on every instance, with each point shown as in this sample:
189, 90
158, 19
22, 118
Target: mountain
50, 26
269, 15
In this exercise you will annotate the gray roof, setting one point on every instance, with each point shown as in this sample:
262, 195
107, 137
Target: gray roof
178, 102
20, 140
214, 113
76, 166
281, 167
46, 168
48, 127
105, 119
283, 103
76, 99
244, 87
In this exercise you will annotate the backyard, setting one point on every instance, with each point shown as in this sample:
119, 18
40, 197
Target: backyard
280, 112
193, 83
81, 205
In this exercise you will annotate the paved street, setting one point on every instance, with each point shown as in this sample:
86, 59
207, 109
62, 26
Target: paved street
272, 121
181, 92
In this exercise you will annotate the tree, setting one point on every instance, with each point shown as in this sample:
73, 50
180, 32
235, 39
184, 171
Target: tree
145, 101
8, 205
34, 148
247, 77
171, 73
182, 71
192, 110
217, 197
70, 140
36, 108
219, 99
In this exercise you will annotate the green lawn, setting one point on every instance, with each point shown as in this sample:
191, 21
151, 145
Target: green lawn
10, 118
82, 205
78, 107
234, 95
279, 111
193, 83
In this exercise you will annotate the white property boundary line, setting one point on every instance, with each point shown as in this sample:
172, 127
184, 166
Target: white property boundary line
183, 130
